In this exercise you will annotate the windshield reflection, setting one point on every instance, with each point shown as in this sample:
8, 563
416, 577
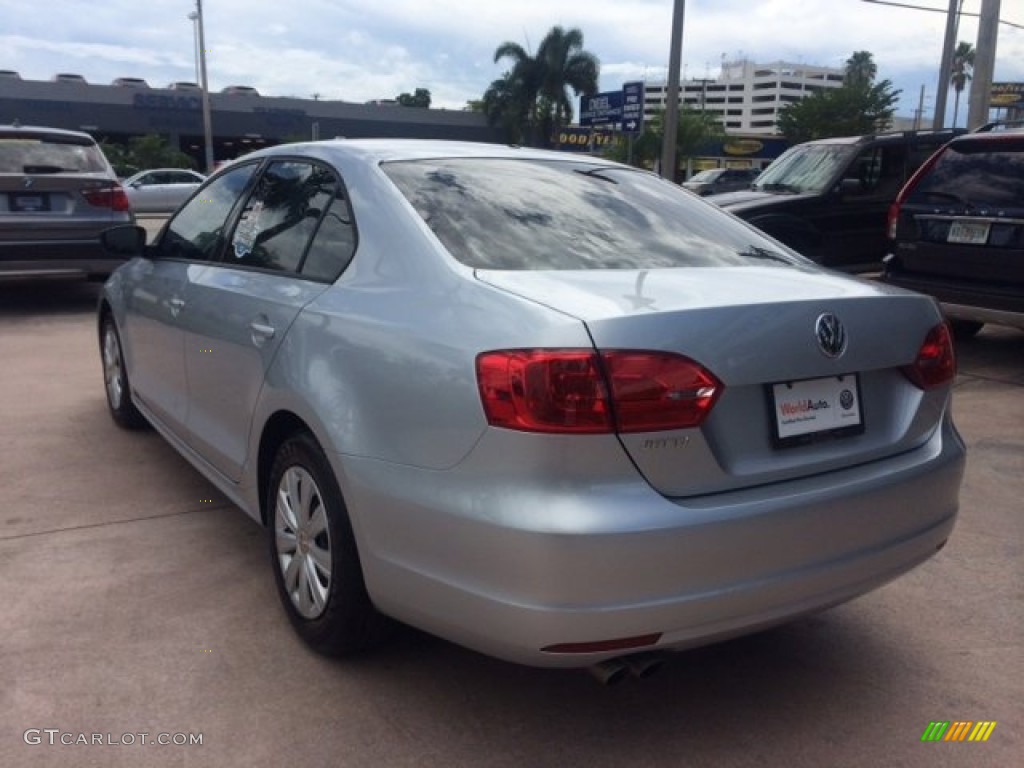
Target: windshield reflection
805, 168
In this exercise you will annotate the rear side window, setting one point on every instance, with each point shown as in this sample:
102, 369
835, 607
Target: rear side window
50, 155
549, 214
976, 172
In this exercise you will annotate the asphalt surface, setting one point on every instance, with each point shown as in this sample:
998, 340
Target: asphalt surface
136, 600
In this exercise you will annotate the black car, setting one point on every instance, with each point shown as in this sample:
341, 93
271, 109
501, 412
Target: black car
957, 230
828, 199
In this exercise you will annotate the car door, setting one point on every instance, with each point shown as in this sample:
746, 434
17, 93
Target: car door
241, 308
157, 297
853, 224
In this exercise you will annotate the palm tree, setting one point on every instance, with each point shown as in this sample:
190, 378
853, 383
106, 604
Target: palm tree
963, 68
565, 65
534, 90
860, 69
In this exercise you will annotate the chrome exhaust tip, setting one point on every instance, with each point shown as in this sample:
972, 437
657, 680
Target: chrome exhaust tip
609, 672
644, 665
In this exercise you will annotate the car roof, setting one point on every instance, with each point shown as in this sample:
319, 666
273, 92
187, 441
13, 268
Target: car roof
385, 150
41, 131
893, 136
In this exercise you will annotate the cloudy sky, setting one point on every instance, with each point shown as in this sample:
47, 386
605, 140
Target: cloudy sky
356, 50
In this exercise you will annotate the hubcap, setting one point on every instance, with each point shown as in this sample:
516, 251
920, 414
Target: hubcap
303, 542
112, 367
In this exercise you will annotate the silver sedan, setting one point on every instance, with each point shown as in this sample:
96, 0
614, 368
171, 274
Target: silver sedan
161, 190
549, 407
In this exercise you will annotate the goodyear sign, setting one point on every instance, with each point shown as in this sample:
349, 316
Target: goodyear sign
1007, 95
572, 139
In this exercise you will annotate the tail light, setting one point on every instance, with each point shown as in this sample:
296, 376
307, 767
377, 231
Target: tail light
935, 364
583, 392
112, 197
893, 219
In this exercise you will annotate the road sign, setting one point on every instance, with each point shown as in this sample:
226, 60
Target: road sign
633, 107
601, 109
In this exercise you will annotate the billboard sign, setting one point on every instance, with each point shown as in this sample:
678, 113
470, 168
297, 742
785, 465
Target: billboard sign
601, 109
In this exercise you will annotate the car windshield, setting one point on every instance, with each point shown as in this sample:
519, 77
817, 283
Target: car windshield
546, 214
805, 168
976, 173
28, 154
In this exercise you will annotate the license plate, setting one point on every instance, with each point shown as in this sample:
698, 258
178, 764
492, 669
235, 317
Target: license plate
968, 232
813, 408
29, 203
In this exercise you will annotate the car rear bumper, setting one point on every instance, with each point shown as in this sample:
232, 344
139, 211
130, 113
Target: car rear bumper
57, 258
511, 569
981, 302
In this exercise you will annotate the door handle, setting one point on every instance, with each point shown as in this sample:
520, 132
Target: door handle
176, 305
261, 332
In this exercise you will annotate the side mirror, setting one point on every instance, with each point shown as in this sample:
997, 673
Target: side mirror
126, 241
849, 186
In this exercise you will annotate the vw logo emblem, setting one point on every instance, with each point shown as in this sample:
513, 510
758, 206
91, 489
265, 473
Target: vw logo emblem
831, 335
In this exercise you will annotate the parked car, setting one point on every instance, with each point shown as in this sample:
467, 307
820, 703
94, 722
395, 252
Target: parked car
161, 190
69, 77
717, 180
829, 199
130, 82
57, 194
957, 230
550, 407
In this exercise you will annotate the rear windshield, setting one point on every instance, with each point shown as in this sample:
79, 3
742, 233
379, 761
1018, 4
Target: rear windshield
30, 154
550, 214
981, 173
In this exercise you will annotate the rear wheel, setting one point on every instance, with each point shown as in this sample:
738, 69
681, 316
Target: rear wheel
316, 564
115, 379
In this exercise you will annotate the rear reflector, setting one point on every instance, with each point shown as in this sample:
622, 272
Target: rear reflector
935, 364
603, 646
579, 391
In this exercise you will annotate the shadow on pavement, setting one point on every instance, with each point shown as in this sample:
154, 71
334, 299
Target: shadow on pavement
28, 299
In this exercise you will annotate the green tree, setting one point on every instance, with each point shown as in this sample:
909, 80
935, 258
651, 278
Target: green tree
963, 69
420, 98
859, 106
142, 152
533, 93
695, 131
860, 69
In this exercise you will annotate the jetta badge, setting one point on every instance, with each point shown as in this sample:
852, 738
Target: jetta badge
831, 335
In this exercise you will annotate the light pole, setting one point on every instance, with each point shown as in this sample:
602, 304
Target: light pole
204, 85
194, 18
668, 141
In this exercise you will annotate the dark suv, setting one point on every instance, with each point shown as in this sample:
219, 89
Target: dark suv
957, 230
828, 199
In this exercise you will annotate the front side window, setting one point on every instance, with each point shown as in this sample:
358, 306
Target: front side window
548, 214
280, 217
197, 231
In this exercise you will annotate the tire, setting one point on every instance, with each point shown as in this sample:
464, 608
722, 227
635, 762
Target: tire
965, 329
115, 379
314, 556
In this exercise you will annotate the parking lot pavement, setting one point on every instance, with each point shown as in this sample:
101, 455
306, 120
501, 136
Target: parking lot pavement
136, 600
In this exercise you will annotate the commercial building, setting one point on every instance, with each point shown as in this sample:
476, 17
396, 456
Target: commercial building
241, 121
747, 97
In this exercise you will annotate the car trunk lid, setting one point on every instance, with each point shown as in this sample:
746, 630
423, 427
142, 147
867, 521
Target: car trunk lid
755, 329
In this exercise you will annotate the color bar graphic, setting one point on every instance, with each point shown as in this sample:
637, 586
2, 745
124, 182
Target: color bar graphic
958, 730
